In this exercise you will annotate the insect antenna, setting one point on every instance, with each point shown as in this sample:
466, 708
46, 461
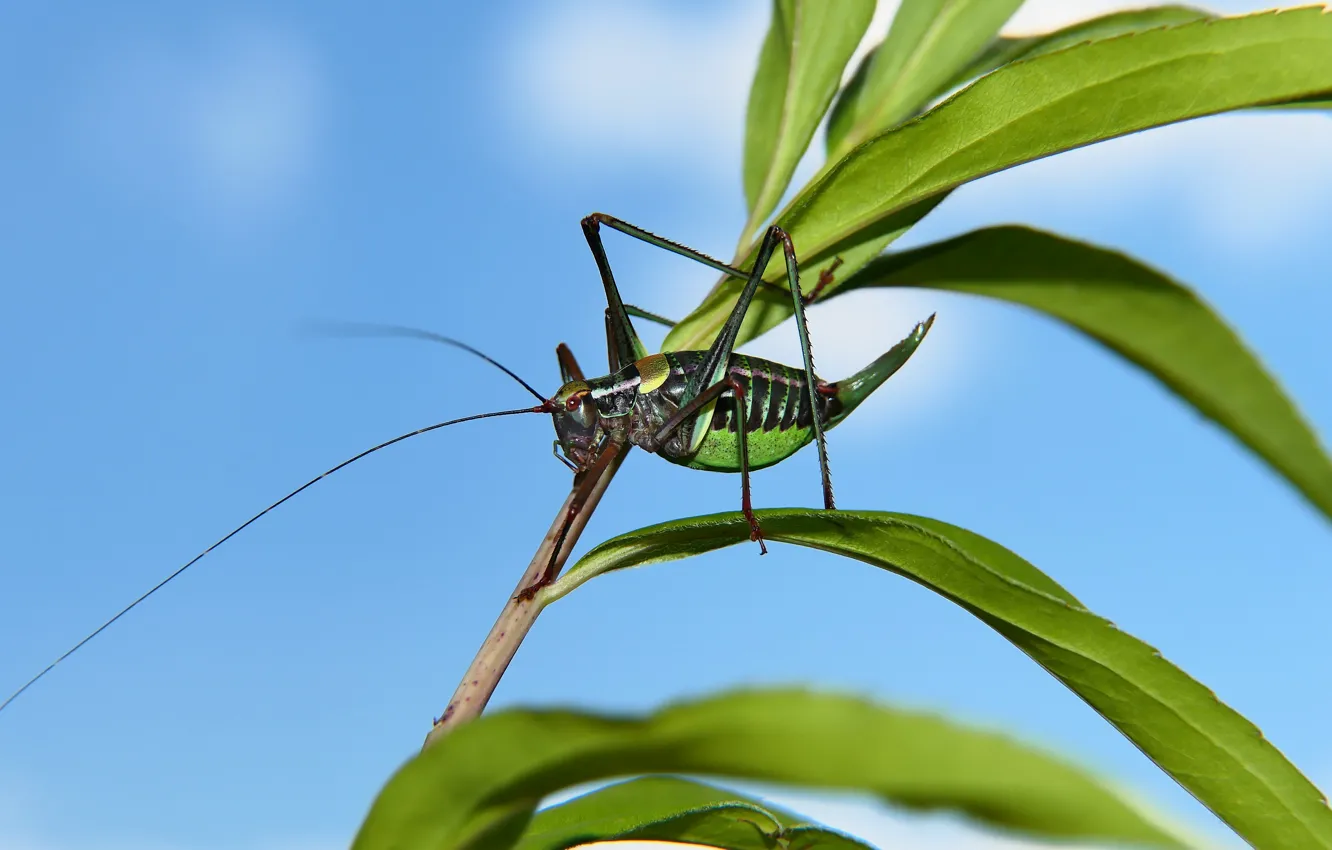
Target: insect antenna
374, 329
542, 408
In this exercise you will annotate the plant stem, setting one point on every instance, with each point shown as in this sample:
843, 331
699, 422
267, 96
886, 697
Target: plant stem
518, 615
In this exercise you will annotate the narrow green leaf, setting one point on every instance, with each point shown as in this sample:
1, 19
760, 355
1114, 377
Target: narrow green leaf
800, 66
1004, 50
1138, 313
1051, 103
1007, 49
1059, 101
842, 116
477, 787
928, 42
1320, 102
1219, 756
667, 808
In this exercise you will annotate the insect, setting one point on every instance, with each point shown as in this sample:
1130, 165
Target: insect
713, 410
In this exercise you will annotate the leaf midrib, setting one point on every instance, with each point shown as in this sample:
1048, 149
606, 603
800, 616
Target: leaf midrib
788, 106
914, 58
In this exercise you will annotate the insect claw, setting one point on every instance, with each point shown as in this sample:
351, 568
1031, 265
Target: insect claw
756, 533
826, 277
527, 594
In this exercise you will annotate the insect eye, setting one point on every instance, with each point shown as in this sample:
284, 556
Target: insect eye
573, 402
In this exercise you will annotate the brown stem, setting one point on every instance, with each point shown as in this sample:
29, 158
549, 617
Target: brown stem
514, 622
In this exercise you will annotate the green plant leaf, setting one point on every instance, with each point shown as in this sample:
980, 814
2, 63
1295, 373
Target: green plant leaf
927, 44
1063, 100
1138, 313
1051, 103
1319, 102
668, 808
1219, 756
1004, 49
478, 786
800, 66
1007, 49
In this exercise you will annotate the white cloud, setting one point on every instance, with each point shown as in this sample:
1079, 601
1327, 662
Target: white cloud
633, 84
629, 83
638, 85
231, 124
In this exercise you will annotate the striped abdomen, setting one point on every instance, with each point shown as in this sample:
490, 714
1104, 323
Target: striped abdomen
779, 421
780, 417
774, 394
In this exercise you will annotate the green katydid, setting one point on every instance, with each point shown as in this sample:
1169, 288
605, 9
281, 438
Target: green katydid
714, 410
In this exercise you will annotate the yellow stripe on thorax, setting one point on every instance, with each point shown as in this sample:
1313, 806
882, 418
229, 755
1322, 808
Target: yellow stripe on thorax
653, 371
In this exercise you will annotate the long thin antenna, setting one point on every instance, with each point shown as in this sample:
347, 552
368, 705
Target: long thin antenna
539, 409
373, 329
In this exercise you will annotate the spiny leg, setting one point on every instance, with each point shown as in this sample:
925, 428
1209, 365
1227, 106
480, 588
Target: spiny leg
826, 277
742, 439
548, 574
718, 357
621, 337
661, 242
802, 329
689, 411
712, 377
622, 342
584, 483
595, 219
640, 313
613, 335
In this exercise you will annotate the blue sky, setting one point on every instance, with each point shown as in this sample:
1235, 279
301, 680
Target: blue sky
186, 190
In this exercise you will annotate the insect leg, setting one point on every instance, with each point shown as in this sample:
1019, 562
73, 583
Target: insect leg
826, 278
640, 313
742, 438
715, 362
622, 342
674, 247
811, 382
689, 411
584, 483
555, 450
653, 239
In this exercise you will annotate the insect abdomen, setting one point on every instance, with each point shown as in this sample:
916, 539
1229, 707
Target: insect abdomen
779, 421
